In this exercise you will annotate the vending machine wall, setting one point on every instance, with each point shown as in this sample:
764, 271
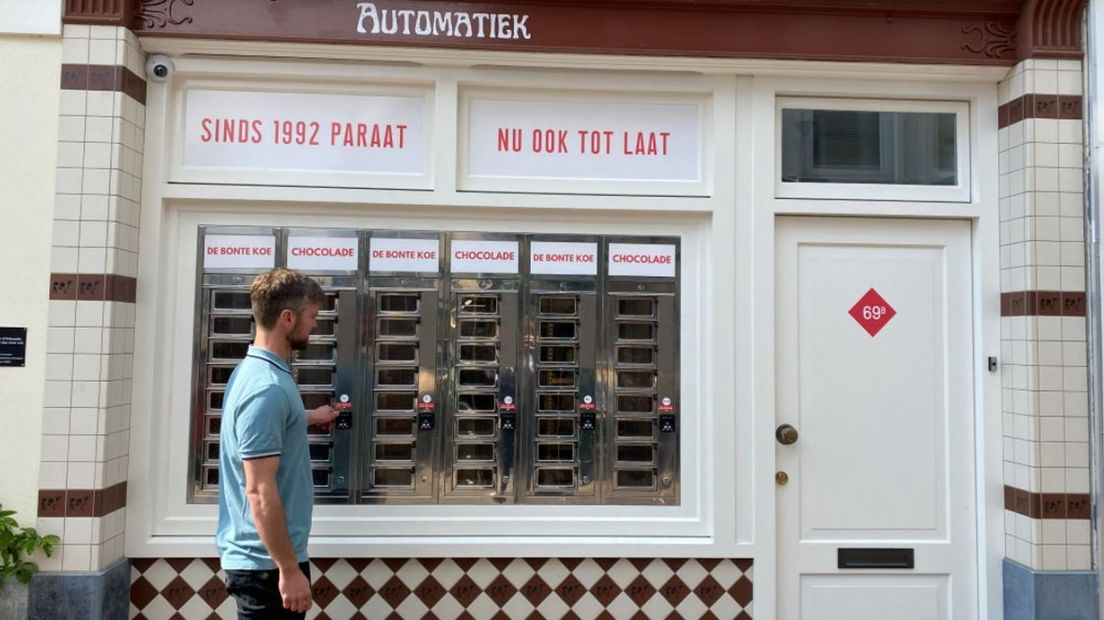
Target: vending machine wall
520, 368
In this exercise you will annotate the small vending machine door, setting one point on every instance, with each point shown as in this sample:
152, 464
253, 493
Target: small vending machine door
482, 346
326, 370
229, 259
561, 402
402, 324
641, 309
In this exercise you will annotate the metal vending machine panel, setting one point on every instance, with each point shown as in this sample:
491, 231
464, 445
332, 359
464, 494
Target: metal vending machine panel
228, 261
326, 370
402, 324
641, 341
561, 397
482, 347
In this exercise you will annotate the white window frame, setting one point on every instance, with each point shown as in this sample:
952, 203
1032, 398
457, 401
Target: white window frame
960, 192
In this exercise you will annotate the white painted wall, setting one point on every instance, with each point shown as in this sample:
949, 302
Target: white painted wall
28, 133
30, 17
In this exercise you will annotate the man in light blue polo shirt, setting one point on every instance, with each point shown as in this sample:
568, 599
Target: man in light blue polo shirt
265, 484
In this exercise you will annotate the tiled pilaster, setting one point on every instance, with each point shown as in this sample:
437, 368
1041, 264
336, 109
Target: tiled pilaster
94, 262
1043, 328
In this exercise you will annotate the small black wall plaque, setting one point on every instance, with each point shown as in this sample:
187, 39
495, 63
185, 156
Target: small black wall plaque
13, 346
875, 558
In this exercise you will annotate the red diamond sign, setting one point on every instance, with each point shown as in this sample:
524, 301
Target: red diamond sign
872, 312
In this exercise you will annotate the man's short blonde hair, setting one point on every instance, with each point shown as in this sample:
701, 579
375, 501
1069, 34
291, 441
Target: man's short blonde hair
281, 289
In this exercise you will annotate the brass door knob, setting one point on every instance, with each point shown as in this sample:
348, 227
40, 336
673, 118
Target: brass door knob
786, 434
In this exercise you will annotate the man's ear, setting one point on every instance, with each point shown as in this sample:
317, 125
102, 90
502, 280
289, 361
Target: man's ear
287, 317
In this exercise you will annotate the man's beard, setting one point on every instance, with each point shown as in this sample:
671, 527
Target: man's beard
298, 344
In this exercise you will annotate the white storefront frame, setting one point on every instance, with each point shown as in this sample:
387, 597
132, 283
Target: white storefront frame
733, 228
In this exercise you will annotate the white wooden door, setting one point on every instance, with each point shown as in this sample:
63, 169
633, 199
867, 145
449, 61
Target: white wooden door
874, 348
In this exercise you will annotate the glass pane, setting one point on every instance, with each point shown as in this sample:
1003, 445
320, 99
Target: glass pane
395, 401
635, 453
636, 355
396, 352
229, 350
636, 331
556, 402
475, 452
393, 477
475, 478
394, 426
556, 378
212, 451
478, 353
329, 303
211, 476
397, 376
479, 304
214, 400
848, 146
468, 403
394, 451
475, 427
635, 380
321, 478
635, 428
635, 478
635, 404
557, 329
477, 377
320, 452
325, 327
314, 400
214, 425
556, 427
398, 327
231, 300
232, 325
557, 305
478, 329
219, 375
318, 352
636, 307
555, 452
314, 376
398, 303
555, 477
557, 355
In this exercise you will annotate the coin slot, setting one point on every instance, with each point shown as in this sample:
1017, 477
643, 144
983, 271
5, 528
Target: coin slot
556, 402
560, 330
630, 428
475, 478
393, 478
314, 376
232, 325
397, 376
478, 329
231, 300
557, 354
556, 378
636, 331
635, 453
321, 478
479, 353
218, 375
472, 403
317, 352
635, 479
635, 404
635, 380
395, 426
479, 304
644, 356
392, 302
556, 452
228, 350
636, 307
555, 427
398, 328
475, 427
477, 377
395, 401
558, 305
555, 477
320, 452
475, 452
394, 451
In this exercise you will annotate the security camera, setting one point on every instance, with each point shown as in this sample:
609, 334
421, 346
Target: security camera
159, 67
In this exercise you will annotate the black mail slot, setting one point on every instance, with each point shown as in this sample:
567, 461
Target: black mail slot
875, 558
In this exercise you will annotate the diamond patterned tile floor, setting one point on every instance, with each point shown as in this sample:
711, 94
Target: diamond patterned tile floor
467, 588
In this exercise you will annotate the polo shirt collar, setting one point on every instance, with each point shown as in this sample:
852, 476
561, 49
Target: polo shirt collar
269, 356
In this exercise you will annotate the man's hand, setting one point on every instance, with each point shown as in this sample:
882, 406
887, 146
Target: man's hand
322, 416
295, 590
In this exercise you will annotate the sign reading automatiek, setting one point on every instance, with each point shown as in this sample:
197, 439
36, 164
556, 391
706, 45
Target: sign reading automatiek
586, 140
308, 132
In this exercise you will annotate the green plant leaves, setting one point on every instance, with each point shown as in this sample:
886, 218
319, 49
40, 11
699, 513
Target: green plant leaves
15, 543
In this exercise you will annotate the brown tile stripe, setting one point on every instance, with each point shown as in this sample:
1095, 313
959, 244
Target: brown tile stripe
92, 287
1064, 107
1047, 505
103, 77
1043, 303
81, 502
